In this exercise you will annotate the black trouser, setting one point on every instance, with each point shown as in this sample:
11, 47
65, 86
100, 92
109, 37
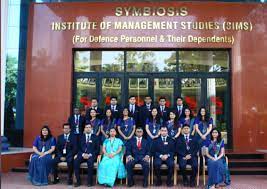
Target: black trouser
130, 165
182, 165
90, 168
69, 164
170, 164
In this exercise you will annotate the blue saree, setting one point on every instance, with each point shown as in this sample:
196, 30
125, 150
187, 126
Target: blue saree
111, 168
40, 167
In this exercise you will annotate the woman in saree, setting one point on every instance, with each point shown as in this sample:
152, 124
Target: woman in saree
111, 165
217, 168
41, 163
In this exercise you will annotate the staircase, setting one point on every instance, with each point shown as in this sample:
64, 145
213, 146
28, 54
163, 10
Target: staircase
252, 163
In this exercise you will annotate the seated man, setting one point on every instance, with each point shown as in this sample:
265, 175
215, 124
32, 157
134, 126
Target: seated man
187, 148
65, 150
137, 152
89, 149
163, 152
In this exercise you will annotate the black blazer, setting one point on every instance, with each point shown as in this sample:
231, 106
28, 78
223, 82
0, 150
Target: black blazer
181, 149
99, 113
71, 121
182, 114
71, 146
132, 149
144, 114
135, 115
165, 114
159, 148
117, 113
91, 147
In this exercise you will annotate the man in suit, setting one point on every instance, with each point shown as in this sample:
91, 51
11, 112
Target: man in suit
137, 152
76, 122
163, 149
187, 148
88, 152
115, 108
94, 105
163, 110
65, 150
179, 108
145, 112
134, 110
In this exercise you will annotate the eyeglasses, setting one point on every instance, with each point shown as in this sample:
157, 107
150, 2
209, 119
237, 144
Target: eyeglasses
139, 131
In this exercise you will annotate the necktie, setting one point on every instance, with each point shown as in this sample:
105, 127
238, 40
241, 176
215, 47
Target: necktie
139, 144
164, 139
76, 120
187, 142
112, 108
66, 137
88, 138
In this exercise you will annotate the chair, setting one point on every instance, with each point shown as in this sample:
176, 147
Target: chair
84, 165
205, 167
139, 167
188, 167
163, 167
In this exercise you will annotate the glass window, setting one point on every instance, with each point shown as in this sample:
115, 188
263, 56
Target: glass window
138, 87
86, 89
203, 61
94, 61
111, 87
163, 87
216, 95
151, 61
191, 92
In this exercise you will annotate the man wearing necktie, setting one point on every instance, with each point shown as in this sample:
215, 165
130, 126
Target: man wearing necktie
163, 151
145, 112
88, 152
65, 150
94, 105
134, 110
77, 122
179, 108
137, 152
115, 108
163, 110
186, 149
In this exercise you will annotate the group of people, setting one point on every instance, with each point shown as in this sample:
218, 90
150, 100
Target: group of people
129, 136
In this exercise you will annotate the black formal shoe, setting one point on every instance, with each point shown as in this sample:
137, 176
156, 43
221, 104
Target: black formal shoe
185, 183
169, 184
130, 184
56, 180
192, 183
77, 184
69, 182
145, 185
158, 183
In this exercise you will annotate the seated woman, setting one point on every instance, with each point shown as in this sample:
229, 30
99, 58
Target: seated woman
173, 126
189, 120
217, 169
203, 124
153, 124
41, 161
126, 126
106, 124
111, 165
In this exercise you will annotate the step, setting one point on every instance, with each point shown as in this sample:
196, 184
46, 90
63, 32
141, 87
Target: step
248, 171
236, 155
20, 169
247, 163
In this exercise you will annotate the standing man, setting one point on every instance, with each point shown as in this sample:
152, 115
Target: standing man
187, 148
163, 149
145, 112
163, 110
94, 106
179, 108
88, 152
76, 122
65, 150
137, 152
134, 110
115, 108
